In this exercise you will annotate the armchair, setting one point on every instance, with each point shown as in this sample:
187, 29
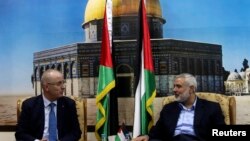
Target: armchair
81, 112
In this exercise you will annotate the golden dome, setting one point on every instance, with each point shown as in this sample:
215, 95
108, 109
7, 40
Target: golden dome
95, 8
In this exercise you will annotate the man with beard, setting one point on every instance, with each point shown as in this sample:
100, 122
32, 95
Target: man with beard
49, 116
188, 118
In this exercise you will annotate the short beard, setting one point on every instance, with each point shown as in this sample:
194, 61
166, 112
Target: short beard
183, 97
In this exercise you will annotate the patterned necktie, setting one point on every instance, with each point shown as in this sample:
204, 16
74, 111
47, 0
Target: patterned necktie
52, 123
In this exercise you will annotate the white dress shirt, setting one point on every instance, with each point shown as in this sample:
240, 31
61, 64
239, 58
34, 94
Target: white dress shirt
46, 103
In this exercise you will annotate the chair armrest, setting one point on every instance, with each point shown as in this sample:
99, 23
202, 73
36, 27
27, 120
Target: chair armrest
232, 110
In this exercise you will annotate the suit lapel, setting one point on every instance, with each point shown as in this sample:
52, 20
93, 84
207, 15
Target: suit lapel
60, 107
41, 115
199, 111
174, 116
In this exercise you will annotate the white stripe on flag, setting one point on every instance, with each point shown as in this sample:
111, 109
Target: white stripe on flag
121, 135
112, 138
140, 91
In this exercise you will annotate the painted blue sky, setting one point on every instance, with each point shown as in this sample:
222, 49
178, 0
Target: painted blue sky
34, 25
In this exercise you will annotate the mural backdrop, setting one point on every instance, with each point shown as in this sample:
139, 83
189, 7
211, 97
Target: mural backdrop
31, 26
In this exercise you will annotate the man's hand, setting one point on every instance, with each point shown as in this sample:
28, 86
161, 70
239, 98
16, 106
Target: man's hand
141, 138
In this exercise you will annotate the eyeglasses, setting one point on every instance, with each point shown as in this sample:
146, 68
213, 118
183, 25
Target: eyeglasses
59, 83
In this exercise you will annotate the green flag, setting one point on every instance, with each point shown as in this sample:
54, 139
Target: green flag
106, 81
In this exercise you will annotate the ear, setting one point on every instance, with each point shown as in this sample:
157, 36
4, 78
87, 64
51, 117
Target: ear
191, 89
46, 87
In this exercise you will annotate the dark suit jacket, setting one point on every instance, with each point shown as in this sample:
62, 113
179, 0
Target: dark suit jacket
207, 115
31, 121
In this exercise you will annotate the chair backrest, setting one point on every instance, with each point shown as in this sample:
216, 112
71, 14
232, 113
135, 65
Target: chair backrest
227, 103
81, 113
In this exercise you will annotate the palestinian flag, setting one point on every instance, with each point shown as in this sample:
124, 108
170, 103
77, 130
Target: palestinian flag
145, 82
122, 134
106, 80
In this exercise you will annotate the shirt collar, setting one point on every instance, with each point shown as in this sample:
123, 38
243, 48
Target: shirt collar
46, 102
193, 106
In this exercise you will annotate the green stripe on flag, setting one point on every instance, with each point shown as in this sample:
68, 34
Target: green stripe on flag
147, 117
150, 95
105, 84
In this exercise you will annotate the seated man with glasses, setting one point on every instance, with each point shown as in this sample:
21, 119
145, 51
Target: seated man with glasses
49, 116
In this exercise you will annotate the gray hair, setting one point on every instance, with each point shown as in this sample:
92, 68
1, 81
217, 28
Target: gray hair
190, 80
